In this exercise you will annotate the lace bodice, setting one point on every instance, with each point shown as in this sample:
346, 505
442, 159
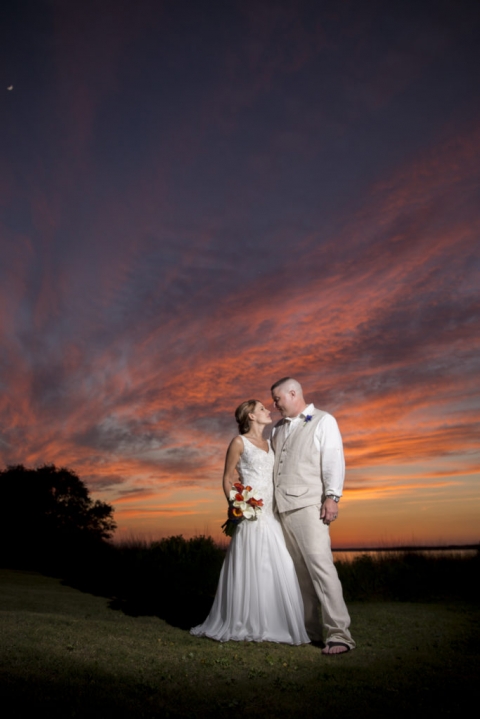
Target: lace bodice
255, 468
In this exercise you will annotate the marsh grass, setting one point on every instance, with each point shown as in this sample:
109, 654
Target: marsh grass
176, 578
412, 576
65, 653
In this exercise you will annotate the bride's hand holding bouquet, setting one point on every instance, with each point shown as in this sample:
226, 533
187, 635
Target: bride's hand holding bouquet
244, 503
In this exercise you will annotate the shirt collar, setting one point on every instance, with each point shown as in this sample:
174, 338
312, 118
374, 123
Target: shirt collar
308, 410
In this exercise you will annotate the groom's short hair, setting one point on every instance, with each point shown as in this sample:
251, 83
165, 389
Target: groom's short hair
284, 380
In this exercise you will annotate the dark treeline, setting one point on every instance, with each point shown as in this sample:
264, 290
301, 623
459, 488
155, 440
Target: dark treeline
48, 518
50, 524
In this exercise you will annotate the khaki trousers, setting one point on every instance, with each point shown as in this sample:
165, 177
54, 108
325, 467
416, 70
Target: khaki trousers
308, 541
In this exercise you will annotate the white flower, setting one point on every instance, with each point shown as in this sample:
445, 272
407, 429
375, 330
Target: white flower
241, 497
249, 512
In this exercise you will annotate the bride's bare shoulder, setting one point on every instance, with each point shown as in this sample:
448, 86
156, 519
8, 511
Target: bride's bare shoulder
237, 443
236, 446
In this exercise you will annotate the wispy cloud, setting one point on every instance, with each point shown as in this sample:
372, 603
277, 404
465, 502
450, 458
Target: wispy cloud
181, 228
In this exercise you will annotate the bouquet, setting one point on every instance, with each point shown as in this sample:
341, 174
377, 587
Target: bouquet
244, 504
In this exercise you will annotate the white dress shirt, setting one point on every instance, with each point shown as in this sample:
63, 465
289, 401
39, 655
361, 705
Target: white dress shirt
328, 441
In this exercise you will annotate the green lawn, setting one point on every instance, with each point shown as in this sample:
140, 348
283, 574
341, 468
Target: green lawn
66, 654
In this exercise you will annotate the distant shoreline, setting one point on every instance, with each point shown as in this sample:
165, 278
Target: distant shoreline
408, 548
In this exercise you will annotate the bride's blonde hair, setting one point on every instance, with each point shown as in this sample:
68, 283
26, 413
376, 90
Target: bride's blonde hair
242, 412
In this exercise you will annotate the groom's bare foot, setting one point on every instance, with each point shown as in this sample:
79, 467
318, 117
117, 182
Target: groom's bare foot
336, 648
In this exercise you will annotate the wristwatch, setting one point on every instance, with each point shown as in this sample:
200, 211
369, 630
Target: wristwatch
334, 497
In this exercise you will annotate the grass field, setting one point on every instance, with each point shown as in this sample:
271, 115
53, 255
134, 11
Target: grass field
65, 653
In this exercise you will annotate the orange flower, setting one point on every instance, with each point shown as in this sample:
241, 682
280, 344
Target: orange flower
255, 502
239, 497
239, 486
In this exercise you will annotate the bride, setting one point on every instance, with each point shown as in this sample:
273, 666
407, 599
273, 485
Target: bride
258, 596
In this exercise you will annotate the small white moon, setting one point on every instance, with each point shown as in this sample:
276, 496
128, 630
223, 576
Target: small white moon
10, 87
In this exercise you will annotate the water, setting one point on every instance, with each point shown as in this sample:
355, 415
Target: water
342, 555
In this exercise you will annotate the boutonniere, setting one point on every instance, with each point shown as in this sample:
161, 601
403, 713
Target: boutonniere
308, 418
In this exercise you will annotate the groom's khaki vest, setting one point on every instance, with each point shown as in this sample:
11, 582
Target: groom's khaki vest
297, 465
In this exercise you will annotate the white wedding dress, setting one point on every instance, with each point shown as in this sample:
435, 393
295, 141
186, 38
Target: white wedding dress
258, 598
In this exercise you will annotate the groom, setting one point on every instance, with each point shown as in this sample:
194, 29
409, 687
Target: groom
308, 475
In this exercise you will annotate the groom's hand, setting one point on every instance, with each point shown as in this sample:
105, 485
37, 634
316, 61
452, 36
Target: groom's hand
329, 511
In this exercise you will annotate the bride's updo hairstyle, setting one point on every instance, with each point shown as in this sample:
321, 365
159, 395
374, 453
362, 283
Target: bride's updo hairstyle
242, 412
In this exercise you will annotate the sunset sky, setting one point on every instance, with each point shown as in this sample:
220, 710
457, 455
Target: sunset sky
198, 197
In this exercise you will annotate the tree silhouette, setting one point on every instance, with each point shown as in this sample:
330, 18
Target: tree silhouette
47, 514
